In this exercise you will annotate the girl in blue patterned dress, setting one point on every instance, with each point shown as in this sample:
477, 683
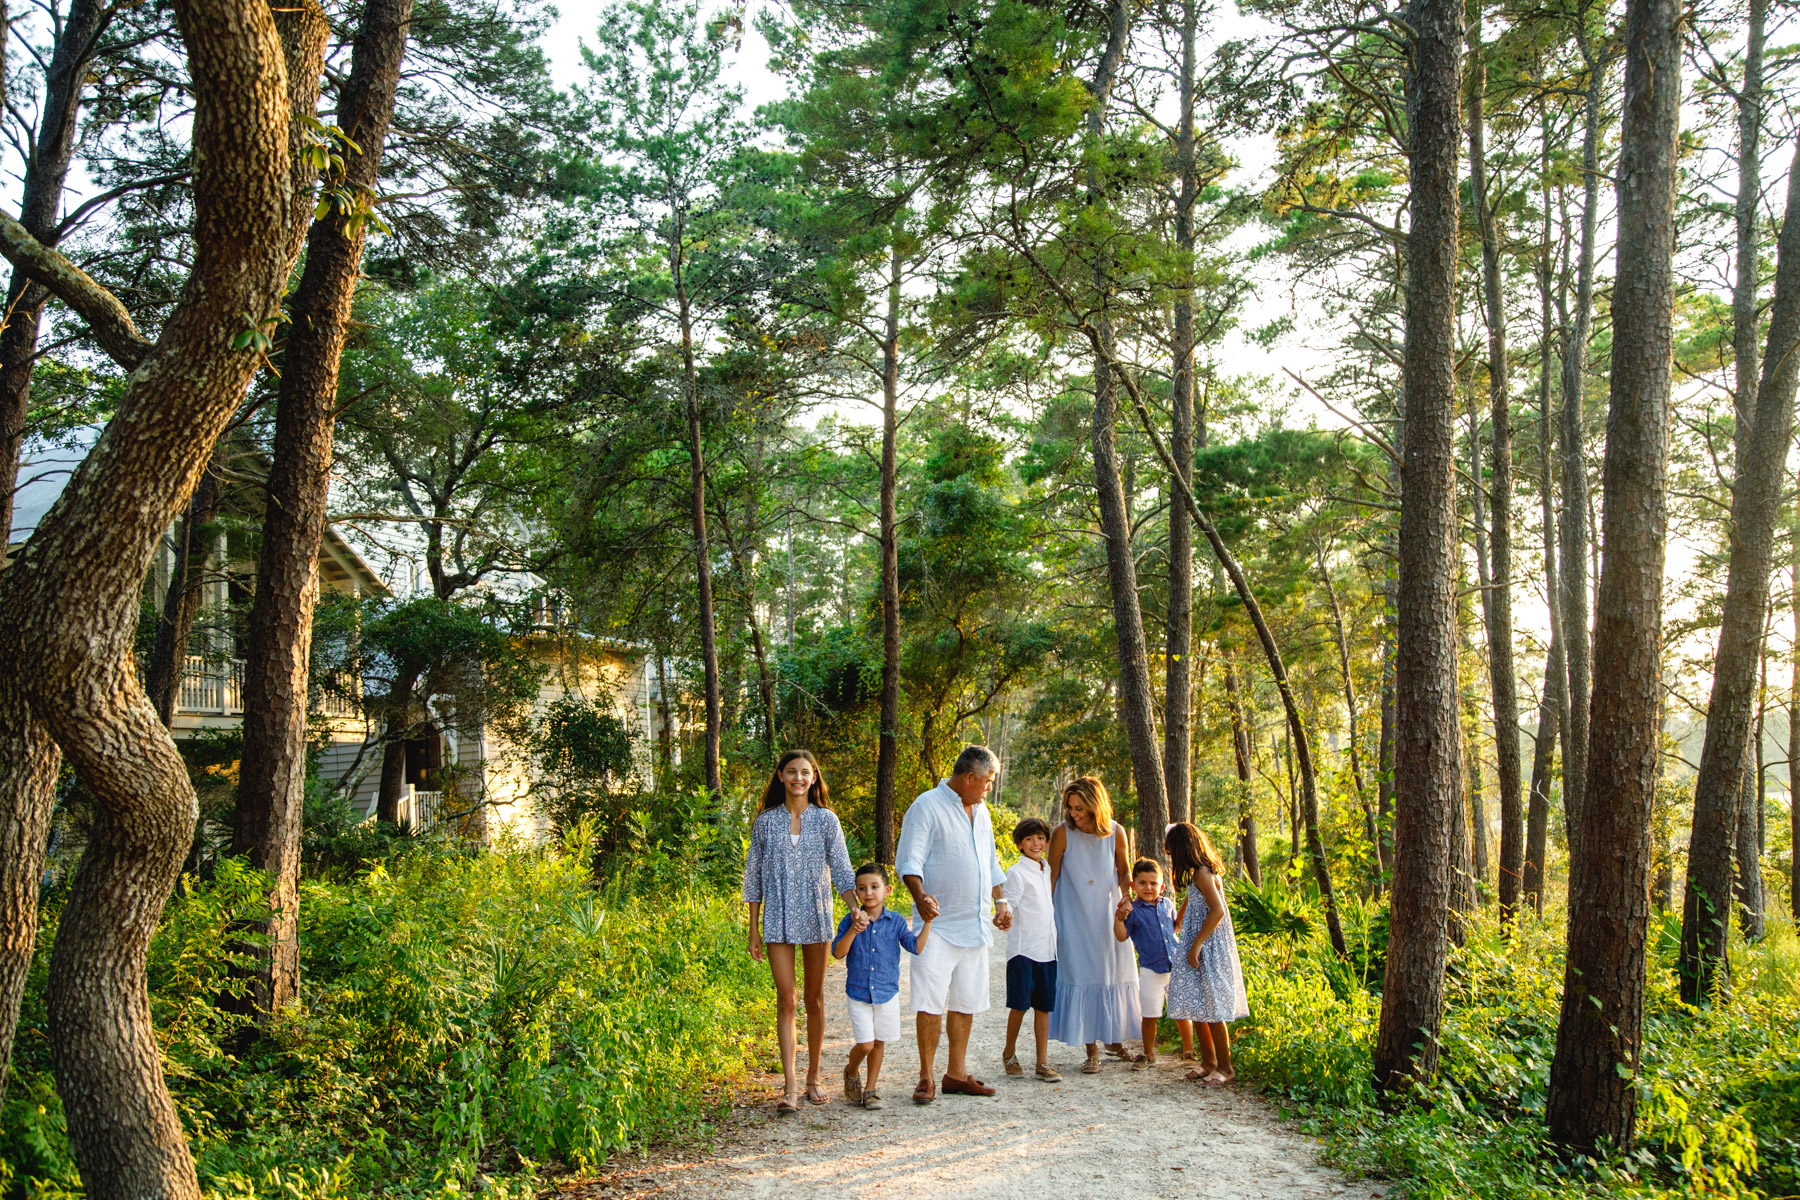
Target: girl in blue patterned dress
797, 858
1206, 985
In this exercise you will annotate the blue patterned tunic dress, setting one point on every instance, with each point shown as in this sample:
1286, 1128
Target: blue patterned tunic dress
795, 883
1214, 992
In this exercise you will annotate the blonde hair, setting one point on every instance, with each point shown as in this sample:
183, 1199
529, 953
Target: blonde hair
1093, 794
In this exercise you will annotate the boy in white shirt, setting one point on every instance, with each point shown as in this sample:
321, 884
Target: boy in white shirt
1030, 947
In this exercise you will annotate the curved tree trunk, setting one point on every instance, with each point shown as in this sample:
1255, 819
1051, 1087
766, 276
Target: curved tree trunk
1726, 754
1427, 749
272, 777
70, 600
1594, 1076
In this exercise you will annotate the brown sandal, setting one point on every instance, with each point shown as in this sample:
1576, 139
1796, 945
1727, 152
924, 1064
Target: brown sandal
816, 1095
786, 1107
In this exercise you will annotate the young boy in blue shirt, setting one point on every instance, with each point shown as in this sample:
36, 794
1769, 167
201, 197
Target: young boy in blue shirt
1148, 920
870, 939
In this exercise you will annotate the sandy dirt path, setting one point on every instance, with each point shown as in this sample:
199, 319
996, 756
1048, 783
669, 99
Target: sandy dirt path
1124, 1133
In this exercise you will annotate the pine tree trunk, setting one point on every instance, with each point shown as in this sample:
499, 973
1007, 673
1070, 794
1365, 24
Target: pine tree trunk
1749, 862
1594, 1076
1427, 732
1178, 683
271, 792
1356, 772
78, 37
1763, 395
69, 602
1553, 706
1136, 701
1572, 563
1793, 745
696, 447
1240, 745
888, 755
1471, 703
1496, 596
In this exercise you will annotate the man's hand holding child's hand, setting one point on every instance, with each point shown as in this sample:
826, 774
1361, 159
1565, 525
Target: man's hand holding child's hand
860, 921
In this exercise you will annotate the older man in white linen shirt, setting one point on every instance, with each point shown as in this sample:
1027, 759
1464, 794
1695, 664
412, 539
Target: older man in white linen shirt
946, 858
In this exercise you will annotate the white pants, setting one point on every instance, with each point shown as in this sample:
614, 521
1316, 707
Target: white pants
948, 978
874, 1022
1153, 989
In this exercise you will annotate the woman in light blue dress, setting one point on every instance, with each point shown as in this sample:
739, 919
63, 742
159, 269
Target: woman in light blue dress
797, 858
1206, 983
1096, 975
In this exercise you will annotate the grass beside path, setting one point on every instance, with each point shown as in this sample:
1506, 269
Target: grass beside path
472, 1020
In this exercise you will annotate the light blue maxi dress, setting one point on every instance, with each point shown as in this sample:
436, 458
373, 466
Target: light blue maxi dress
1096, 974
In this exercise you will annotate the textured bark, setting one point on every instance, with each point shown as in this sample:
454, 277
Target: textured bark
696, 447
392, 777
1762, 440
1793, 744
40, 201
1427, 735
68, 615
1178, 693
271, 786
181, 603
1593, 1078
1473, 858
888, 755
1496, 598
1136, 702
1477, 850
1573, 564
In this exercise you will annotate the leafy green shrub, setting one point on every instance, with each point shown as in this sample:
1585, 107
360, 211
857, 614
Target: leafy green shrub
469, 1019
1719, 1108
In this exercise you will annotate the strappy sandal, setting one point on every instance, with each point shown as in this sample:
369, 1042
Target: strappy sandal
1092, 1065
816, 1095
1120, 1052
786, 1106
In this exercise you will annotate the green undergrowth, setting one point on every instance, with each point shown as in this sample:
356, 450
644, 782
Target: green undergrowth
471, 1021
1719, 1088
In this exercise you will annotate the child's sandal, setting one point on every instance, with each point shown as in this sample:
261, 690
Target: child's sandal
1091, 1066
872, 1100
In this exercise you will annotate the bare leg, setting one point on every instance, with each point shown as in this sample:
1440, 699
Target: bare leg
781, 966
814, 953
875, 1054
1150, 1038
1221, 1041
1015, 1017
1186, 1030
1040, 1022
959, 1026
929, 1025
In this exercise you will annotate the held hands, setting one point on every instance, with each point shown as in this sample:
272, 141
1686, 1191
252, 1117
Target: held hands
1123, 911
860, 921
1003, 916
928, 907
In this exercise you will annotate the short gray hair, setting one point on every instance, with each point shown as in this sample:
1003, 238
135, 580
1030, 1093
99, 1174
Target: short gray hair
976, 758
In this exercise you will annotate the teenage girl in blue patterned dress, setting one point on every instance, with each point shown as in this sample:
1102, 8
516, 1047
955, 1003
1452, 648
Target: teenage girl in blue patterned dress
1206, 985
797, 858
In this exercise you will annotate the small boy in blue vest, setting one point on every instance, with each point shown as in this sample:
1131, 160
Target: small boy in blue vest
1148, 920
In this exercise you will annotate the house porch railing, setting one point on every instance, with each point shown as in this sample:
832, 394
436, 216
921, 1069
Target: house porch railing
216, 688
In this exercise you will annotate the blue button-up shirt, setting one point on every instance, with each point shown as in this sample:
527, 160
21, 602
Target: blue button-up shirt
872, 966
955, 860
1152, 930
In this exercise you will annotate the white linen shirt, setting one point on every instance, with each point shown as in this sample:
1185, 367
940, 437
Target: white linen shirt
955, 860
1033, 932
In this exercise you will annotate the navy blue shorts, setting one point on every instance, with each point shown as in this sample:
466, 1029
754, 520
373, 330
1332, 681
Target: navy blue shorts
1030, 984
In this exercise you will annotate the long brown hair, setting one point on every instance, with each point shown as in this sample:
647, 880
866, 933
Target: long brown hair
1189, 849
776, 793
1093, 794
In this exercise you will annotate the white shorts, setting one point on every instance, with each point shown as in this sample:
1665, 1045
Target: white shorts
874, 1022
1153, 988
948, 978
